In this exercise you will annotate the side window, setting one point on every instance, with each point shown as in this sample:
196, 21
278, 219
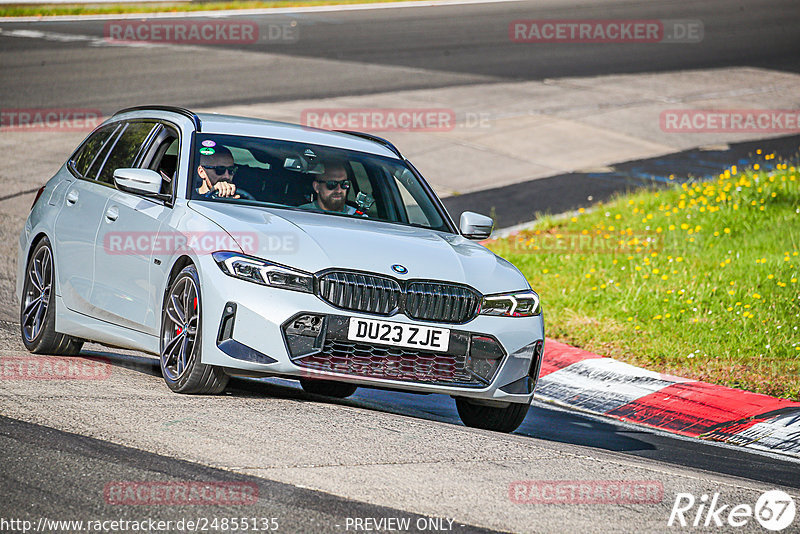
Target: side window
91, 149
126, 148
165, 161
410, 189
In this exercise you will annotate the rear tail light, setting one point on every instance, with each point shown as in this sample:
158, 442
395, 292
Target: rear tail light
38, 194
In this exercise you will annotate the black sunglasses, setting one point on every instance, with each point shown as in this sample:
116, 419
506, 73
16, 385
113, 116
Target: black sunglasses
332, 184
220, 169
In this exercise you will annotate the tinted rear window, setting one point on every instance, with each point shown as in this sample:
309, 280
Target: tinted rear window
90, 149
125, 150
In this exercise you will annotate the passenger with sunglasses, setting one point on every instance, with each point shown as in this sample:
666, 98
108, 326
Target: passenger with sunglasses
216, 172
330, 191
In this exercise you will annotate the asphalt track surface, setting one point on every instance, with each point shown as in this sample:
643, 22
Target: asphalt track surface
384, 50
48, 472
53, 474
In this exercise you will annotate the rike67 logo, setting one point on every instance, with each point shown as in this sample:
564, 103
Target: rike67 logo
775, 510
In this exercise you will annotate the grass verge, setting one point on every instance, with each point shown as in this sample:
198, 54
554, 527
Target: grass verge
44, 10
699, 280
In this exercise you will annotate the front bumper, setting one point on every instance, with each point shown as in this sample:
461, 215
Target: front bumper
249, 329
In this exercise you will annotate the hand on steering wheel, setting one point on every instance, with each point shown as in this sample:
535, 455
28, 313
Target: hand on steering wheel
230, 188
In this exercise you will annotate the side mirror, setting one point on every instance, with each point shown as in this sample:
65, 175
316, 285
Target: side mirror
142, 181
475, 226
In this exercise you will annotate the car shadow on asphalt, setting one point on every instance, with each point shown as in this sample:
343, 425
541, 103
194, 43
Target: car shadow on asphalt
543, 421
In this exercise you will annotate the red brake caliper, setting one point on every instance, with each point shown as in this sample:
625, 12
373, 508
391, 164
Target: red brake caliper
178, 329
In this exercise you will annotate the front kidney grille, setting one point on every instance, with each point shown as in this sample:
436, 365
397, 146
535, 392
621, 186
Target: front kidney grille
360, 292
440, 302
428, 301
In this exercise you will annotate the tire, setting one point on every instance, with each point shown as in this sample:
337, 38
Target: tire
37, 313
505, 419
328, 388
181, 340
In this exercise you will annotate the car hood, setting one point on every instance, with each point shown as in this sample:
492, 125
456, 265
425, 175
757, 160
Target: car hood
315, 241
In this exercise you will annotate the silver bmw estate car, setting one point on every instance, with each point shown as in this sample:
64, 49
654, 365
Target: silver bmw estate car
231, 246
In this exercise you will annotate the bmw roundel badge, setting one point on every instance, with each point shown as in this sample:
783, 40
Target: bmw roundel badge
399, 269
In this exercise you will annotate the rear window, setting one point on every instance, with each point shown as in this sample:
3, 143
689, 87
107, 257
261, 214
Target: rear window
90, 150
126, 148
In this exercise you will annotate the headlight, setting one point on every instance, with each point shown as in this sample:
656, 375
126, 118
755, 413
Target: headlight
263, 272
517, 304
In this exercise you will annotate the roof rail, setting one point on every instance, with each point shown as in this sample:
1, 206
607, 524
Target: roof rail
191, 115
375, 138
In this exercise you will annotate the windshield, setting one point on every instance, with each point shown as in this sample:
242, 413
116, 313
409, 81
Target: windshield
322, 179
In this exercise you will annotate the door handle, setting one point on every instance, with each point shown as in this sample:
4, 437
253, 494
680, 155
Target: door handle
72, 197
112, 213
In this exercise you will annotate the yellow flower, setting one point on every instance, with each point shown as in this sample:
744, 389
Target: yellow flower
727, 230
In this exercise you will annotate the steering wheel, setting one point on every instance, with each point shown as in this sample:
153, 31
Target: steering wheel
243, 195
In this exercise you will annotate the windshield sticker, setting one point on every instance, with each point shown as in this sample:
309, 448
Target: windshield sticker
207, 151
209, 143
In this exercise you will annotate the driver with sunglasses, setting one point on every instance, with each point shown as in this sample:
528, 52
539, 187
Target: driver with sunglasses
331, 191
216, 171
